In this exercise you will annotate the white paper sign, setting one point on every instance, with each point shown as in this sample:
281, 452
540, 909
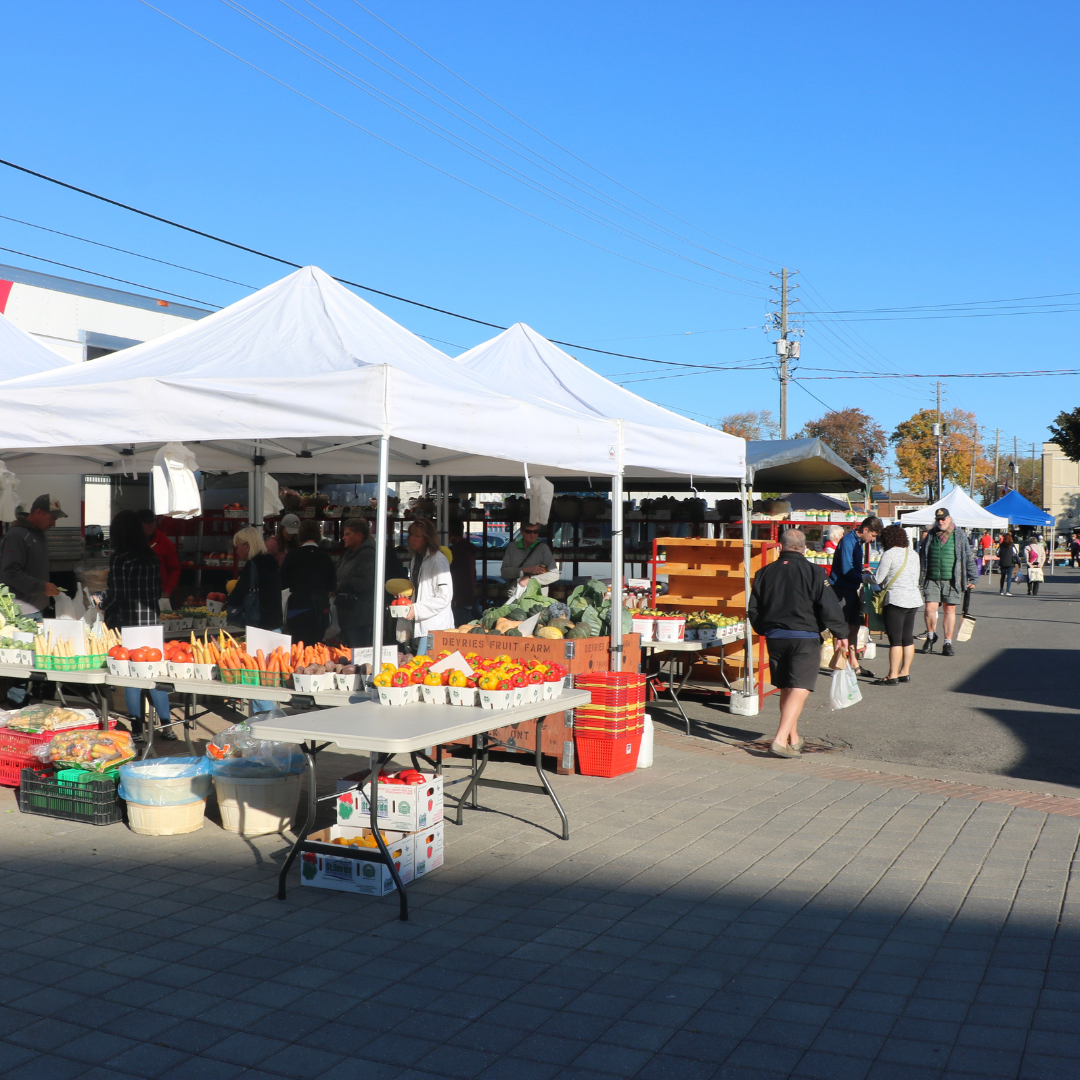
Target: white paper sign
366, 656
527, 628
24, 636
67, 630
454, 662
256, 639
143, 637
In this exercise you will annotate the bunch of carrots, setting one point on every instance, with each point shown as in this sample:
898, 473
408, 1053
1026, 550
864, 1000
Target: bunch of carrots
227, 652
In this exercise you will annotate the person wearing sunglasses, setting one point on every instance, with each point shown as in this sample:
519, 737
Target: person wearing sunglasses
527, 558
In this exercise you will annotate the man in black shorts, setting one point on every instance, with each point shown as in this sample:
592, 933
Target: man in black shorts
790, 604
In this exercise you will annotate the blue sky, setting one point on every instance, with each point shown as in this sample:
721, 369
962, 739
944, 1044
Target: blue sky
898, 157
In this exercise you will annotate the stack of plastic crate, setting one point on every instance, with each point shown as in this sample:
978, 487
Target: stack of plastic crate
607, 732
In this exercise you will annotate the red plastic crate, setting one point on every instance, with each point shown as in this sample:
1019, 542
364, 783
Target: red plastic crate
613, 688
20, 742
12, 765
607, 757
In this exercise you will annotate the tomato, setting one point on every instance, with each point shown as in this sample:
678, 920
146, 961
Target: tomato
154, 656
118, 652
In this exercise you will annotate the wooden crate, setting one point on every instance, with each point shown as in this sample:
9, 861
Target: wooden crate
585, 654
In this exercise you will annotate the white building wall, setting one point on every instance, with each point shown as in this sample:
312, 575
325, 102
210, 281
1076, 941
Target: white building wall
60, 320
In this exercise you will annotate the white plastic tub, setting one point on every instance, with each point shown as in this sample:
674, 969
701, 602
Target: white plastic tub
257, 806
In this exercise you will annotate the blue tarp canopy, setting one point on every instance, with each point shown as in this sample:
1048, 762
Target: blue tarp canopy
1020, 511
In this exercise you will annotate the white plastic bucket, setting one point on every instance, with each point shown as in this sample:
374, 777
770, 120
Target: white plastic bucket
166, 820
645, 754
645, 626
743, 701
670, 628
257, 806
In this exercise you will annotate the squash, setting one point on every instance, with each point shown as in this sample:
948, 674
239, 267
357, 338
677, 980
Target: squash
550, 632
513, 632
577, 633
507, 624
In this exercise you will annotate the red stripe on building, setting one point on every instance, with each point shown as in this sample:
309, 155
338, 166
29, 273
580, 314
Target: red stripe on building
5, 292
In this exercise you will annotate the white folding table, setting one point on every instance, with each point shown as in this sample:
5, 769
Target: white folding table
384, 731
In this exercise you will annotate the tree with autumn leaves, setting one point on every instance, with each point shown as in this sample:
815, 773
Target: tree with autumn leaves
916, 452
855, 436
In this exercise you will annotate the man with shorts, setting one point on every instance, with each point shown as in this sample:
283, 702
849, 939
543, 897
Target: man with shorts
790, 604
847, 579
948, 569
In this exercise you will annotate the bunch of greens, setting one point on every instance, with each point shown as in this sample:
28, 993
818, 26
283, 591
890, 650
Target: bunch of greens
586, 607
11, 614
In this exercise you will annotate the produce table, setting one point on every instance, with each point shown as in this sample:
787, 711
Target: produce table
384, 731
674, 649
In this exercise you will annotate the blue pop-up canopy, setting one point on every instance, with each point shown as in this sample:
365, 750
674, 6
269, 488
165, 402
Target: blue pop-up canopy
1020, 511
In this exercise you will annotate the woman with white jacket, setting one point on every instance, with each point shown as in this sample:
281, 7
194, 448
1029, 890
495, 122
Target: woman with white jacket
433, 587
898, 571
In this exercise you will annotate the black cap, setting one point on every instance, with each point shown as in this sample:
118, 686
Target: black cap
147, 516
940, 513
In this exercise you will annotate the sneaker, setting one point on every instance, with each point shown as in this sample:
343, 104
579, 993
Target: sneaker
928, 644
947, 649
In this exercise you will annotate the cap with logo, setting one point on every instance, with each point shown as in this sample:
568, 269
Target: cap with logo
940, 513
290, 524
49, 505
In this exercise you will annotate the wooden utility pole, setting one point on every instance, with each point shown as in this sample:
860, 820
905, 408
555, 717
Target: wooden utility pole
997, 458
938, 433
974, 455
783, 355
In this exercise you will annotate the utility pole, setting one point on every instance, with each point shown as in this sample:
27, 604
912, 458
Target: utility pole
1033, 473
974, 454
784, 353
1016, 464
937, 435
997, 457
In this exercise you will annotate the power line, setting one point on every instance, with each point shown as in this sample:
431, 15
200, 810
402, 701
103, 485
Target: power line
453, 139
1049, 372
123, 251
123, 281
806, 390
431, 165
575, 182
558, 146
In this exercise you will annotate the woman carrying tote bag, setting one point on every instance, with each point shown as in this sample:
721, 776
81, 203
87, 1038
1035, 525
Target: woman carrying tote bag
1036, 560
899, 599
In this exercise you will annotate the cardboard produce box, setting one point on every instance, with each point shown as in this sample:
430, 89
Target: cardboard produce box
326, 865
405, 808
428, 850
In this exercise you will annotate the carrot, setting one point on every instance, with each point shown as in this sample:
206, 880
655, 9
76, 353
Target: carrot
260, 656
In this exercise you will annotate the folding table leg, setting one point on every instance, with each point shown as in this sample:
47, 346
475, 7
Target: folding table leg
539, 763
474, 780
310, 750
373, 804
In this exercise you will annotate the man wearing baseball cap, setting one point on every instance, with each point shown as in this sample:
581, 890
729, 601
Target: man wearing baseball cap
285, 540
948, 570
24, 557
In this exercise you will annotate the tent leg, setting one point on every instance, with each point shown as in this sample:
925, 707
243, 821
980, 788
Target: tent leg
747, 556
382, 525
616, 571
258, 482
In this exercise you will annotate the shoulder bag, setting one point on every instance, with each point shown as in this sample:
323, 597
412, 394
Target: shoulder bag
879, 599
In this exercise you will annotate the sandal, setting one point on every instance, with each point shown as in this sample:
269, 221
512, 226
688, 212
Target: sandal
903, 678
885, 681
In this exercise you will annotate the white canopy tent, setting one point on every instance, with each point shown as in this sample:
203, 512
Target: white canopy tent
656, 441
21, 354
967, 513
302, 373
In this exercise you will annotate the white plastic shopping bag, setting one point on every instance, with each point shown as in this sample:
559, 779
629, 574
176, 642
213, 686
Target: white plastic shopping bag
845, 689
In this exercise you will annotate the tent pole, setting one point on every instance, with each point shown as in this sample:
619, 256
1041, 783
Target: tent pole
256, 503
381, 527
747, 555
616, 571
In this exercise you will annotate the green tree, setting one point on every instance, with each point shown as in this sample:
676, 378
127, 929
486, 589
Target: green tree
855, 436
1065, 431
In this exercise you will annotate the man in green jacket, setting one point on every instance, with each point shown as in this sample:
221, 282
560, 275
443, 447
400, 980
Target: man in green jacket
948, 570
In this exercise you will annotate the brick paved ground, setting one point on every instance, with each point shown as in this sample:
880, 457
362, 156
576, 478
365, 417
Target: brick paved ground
716, 916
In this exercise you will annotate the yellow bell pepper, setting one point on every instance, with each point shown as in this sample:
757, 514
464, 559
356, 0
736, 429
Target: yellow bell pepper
383, 678
432, 679
457, 678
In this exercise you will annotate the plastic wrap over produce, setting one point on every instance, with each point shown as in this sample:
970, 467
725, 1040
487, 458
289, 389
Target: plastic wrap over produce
237, 752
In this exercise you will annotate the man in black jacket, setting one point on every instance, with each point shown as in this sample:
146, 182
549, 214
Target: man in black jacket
790, 604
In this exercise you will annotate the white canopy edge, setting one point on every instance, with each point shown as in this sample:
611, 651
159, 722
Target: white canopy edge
967, 513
